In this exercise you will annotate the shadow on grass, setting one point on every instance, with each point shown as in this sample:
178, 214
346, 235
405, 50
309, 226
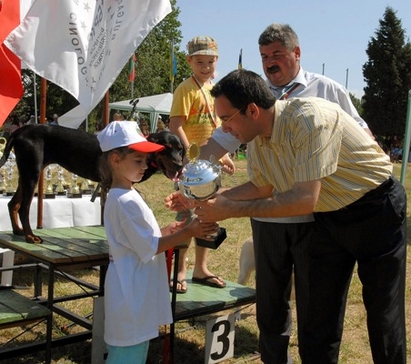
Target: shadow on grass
246, 342
184, 352
190, 349
79, 353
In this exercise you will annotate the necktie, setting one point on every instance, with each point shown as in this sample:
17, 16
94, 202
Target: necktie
287, 90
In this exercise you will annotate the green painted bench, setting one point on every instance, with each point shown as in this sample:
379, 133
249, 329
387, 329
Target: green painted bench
17, 310
204, 300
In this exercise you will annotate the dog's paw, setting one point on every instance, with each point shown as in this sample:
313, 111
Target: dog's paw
33, 239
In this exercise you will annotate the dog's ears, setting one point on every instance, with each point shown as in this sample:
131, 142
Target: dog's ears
159, 139
153, 137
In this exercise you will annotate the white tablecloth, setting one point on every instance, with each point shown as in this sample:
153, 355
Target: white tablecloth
58, 212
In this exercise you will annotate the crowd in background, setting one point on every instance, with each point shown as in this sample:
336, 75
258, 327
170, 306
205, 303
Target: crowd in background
143, 123
13, 122
393, 146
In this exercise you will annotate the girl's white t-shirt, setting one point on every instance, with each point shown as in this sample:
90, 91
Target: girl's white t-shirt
137, 298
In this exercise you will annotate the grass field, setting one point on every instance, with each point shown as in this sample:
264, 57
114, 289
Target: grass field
189, 345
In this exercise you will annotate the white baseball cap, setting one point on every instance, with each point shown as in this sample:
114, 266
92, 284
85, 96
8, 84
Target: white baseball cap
125, 134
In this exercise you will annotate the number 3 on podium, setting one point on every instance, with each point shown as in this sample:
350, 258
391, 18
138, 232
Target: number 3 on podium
219, 339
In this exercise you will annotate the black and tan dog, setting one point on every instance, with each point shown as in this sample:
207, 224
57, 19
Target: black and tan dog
36, 146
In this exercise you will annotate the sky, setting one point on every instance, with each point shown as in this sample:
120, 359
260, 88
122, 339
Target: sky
333, 35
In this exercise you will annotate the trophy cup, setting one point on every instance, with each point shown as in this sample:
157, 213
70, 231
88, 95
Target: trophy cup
200, 180
10, 190
2, 183
48, 190
75, 189
60, 189
87, 187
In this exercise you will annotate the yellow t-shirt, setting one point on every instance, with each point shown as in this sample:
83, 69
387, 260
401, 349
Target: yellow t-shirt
189, 101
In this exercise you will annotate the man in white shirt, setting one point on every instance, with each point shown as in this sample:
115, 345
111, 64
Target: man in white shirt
277, 257
32, 120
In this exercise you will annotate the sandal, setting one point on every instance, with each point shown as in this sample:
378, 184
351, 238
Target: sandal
183, 285
207, 281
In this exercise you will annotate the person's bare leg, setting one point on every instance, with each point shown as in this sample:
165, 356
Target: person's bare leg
182, 269
201, 270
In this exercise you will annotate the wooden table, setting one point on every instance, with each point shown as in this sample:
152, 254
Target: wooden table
63, 250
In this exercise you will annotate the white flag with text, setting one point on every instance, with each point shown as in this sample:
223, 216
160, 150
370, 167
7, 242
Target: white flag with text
82, 45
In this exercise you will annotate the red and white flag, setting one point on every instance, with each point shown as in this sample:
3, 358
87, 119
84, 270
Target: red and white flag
11, 88
83, 45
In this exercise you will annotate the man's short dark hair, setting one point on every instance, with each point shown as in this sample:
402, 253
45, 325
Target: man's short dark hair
242, 87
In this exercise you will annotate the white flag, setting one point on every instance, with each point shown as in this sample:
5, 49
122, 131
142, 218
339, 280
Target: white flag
82, 45
24, 7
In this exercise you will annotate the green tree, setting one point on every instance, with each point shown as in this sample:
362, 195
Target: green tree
357, 103
388, 77
58, 101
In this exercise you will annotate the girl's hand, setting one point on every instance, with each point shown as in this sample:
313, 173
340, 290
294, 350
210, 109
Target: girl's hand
177, 202
172, 228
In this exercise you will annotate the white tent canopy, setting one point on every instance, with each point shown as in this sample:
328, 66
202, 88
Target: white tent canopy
153, 105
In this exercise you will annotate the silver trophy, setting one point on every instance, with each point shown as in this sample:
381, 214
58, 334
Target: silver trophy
200, 180
48, 189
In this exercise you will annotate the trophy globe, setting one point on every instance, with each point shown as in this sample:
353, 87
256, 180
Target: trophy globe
200, 180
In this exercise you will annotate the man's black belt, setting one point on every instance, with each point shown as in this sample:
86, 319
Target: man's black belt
380, 190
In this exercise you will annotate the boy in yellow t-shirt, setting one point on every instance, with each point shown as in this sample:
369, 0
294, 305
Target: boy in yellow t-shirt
192, 119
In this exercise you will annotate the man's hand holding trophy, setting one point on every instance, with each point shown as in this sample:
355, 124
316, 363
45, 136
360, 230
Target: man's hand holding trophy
200, 180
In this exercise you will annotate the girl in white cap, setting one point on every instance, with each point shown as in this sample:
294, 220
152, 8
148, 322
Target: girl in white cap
137, 299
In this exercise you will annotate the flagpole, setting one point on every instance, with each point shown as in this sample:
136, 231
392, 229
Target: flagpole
346, 79
106, 121
133, 76
43, 95
35, 97
106, 114
406, 147
172, 60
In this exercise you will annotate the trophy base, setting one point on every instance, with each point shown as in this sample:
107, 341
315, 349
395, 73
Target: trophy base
74, 195
215, 243
61, 193
49, 195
